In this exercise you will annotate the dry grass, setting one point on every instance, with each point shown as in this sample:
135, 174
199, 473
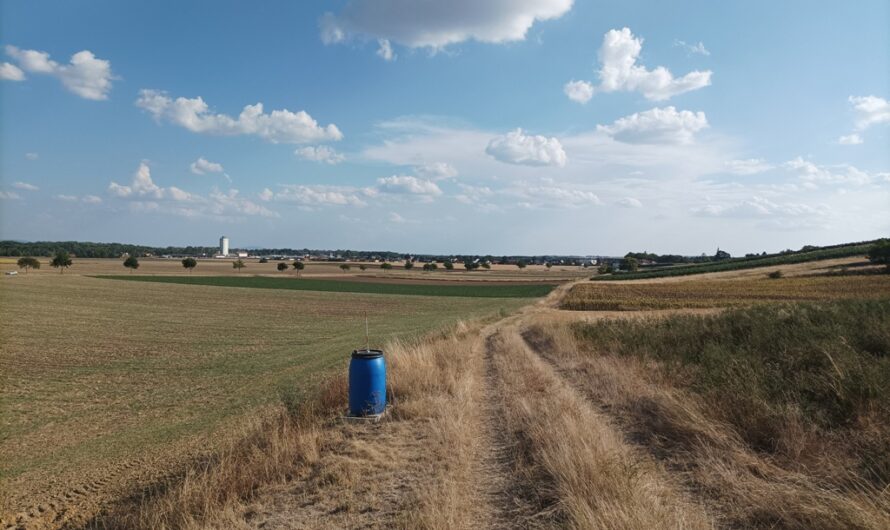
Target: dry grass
603, 296
211, 493
578, 466
743, 487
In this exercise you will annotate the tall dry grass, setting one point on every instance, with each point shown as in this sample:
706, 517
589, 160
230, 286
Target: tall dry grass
210, 492
436, 384
654, 406
583, 473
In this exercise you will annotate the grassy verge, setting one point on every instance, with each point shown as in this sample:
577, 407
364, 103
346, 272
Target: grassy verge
723, 293
825, 368
744, 263
775, 416
262, 282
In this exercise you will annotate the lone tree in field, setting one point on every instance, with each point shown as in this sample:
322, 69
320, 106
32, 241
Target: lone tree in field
282, 267
28, 263
189, 264
879, 253
299, 266
344, 267
131, 263
61, 261
448, 265
362, 266
630, 264
486, 265
386, 266
409, 264
521, 264
548, 265
238, 265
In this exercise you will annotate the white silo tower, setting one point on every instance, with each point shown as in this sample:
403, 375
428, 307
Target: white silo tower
224, 246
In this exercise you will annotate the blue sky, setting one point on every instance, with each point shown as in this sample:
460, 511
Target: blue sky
511, 126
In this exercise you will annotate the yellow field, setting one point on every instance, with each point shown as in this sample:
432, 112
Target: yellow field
610, 296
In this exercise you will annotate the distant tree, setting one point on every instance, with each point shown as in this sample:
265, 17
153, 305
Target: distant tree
409, 264
299, 266
189, 264
238, 265
448, 265
131, 263
386, 266
521, 264
61, 261
344, 267
722, 254
605, 268
469, 265
630, 264
879, 253
282, 266
430, 266
486, 265
362, 267
28, 263
264, 260
548, 265
775, 275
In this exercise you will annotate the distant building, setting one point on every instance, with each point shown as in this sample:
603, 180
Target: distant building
224, 246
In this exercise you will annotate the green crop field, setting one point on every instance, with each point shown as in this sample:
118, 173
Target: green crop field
345, 286
98, 372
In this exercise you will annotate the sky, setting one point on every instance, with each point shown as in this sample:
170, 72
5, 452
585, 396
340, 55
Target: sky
499, 127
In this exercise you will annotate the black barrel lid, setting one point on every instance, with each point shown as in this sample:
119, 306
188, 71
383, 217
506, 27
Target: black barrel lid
366, 354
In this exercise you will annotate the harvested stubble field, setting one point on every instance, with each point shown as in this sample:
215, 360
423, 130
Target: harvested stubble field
104, 381
632, 296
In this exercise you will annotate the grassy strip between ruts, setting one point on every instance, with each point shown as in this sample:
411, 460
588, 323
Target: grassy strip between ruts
261, 282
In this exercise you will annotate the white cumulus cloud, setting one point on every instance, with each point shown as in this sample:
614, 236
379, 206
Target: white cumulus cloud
619, 70
436, 171
9, 195
870, 110
202, 166
516, 147
656, 125
25, 186
629, 202
426, 24
317, 195
141, 186
319, 153
850, 139
580, 91
278, 126
85, 75
748, 166
408, 184
32, 156
385, 50
11, 72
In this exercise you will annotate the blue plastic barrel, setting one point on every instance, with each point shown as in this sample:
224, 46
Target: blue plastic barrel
367, 383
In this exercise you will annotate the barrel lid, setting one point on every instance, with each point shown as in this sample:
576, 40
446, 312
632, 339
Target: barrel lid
366, 354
